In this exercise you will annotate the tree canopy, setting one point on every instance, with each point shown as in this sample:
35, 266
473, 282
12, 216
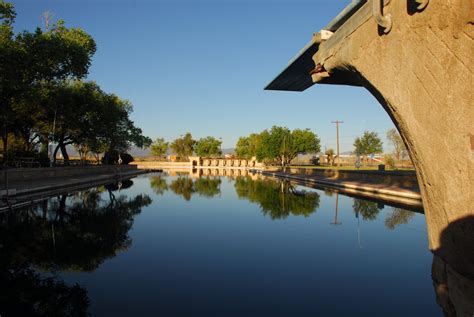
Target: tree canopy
278, 144
368, 143
159, 147
208, 147
43, 98
183, 146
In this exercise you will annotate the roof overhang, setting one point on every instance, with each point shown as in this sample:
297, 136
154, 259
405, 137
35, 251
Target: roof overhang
297, 75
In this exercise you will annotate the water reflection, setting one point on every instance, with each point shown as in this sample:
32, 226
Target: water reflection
70, 232
77, 232
369, 210
277, 198
398, 217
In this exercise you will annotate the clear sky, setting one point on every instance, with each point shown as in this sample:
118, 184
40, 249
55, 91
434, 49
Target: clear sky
201, 66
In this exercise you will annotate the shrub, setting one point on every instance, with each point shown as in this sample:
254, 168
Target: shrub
112, 157
389, 161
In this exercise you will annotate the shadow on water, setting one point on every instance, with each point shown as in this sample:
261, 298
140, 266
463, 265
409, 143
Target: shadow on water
453, 269
69, 233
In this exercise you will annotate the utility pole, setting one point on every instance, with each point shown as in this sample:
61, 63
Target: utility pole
337, 209
337, 122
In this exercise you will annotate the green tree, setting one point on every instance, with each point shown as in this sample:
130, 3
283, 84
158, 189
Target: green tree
32, 62
279, 145
208, 147
369, 143
159, 147
247, 147
184, 146
399, 148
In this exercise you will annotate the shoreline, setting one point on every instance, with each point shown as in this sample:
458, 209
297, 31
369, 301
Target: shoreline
376, 191
29, 191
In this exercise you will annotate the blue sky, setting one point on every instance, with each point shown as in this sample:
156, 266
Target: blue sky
201, 66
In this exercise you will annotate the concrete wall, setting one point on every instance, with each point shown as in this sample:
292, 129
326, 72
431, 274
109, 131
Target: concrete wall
26, 174
422, 74
200, 163
404, 179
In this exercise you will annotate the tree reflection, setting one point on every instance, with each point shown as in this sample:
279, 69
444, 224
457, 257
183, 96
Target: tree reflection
70, 232
278, 199
398, 217
204, 186
368, 209
158, 184
208, 187
183, 186
26, 293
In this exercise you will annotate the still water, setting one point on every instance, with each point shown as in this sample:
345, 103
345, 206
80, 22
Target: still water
214, 246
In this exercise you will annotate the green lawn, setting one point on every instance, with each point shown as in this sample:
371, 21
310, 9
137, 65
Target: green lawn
349, 168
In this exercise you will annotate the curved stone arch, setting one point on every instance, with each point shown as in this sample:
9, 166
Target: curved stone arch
421, 72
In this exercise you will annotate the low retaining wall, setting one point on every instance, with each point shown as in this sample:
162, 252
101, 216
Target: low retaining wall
404, 179
25, 174
161, 164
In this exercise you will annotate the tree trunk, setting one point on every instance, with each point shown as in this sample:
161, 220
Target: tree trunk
55, 153
64, 153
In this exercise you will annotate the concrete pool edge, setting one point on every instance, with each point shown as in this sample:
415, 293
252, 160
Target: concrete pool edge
401, 195
40, 191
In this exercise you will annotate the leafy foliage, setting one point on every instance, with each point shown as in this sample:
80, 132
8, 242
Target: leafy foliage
159, 147
43, 97
278, 144
369, 143
184, 146
208, 147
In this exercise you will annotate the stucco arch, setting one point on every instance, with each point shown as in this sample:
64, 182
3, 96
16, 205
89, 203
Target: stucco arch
421, 72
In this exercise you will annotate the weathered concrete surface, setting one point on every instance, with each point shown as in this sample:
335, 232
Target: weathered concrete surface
421, 72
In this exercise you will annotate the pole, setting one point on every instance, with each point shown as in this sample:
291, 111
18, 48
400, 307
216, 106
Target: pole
337, 122
337, 209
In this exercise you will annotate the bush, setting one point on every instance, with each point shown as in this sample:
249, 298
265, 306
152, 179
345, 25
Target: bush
389, 161
112, 157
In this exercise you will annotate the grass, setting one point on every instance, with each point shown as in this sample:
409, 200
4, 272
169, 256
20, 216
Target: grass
350, 168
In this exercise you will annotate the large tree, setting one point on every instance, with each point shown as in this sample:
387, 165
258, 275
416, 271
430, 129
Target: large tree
368, 143
247, 147
184, 146
278, 144
159, 147
31, 63
94, 121
208, 147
